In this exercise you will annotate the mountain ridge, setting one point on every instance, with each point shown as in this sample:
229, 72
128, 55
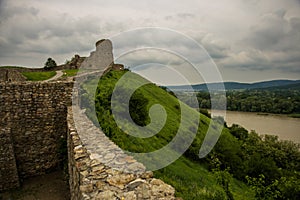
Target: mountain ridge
231, 85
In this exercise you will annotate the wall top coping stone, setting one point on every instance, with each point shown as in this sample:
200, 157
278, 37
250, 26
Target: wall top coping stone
101, 147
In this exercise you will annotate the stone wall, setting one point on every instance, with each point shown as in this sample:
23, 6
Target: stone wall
74, 63
34, 120
101, 58
8, 170
32, 126
100, 170
11, 75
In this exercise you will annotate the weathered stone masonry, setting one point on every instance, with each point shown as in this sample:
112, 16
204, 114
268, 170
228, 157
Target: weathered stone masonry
34, 118
32, 122
100, 170
8, 170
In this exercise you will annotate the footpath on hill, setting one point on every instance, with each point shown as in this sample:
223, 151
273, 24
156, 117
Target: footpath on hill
58, 75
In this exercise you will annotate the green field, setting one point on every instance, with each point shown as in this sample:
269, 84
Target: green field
70, 72
189, 175
294, 115
12, 67
38, 76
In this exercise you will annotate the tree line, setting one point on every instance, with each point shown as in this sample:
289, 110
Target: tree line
269, 101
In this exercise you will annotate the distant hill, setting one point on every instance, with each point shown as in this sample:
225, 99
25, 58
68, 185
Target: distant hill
293, 86
240, 86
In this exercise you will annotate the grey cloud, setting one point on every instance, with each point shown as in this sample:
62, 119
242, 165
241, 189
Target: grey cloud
237, 34
146, 56
263, 61
216, 47
254, 59
185, 48
273, 43
25, 30
186, 15
217, 51
9, 12
275, 32
180, 16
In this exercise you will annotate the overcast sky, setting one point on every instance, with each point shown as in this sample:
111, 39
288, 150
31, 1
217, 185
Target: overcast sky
249, 40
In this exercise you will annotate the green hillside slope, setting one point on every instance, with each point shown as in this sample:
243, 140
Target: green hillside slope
39, 76
189, 175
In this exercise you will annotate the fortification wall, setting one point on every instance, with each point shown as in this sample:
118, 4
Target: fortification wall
33, 126
34, 122
100, 170
8, 171
11, 75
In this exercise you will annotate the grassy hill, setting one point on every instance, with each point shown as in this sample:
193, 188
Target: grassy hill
189, 175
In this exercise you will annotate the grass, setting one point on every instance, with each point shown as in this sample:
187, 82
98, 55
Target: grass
70, 72
12, 67
190, 177
193, 181
38, 76
294, 115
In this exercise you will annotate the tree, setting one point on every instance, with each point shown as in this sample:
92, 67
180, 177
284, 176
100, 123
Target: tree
223, 177
238, 131
138, 109
50, 64
263, 190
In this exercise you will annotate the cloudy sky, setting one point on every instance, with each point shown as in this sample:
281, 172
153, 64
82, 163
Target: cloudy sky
249, 40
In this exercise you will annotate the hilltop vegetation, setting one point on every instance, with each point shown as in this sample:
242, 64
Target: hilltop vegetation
269, 166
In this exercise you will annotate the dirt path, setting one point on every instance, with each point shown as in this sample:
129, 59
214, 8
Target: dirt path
58, 75
46, 187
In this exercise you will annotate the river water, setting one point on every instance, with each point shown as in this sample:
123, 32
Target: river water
286, 128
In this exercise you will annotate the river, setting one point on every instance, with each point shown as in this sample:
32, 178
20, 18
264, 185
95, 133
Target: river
286, 128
